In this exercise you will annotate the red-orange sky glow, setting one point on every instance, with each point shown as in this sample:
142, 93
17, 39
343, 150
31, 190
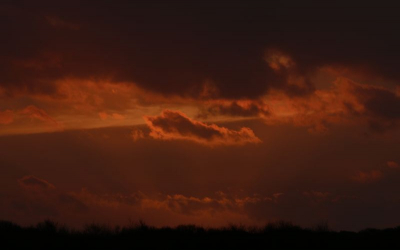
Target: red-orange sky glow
208, 113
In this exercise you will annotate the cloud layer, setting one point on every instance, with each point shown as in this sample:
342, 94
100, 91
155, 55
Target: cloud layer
172, 49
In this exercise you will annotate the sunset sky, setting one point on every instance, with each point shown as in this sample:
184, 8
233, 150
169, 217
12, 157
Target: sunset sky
200, 112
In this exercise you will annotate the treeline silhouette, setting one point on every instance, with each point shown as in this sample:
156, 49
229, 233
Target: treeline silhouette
279, 235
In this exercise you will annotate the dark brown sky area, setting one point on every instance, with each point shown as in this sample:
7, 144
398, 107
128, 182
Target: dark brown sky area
205, 112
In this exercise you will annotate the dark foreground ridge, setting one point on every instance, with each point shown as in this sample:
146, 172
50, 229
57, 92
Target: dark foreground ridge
281, 235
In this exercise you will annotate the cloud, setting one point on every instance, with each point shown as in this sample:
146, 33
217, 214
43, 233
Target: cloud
231, 54
368, 176
75, 66
176, 203
378, 105
26, 120
59, 23
234, 108
86, 95
32, 182
116, 116
175, 125
39, 114
6, 117
39, 200
137, 134
381, 106
103, 115
317, 195
278, 60
72, 69
392, 164
345, 102
42, 62
70, 202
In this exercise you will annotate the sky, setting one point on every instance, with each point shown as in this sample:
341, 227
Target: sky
200, 112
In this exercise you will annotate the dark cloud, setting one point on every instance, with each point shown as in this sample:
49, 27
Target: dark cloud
245, 108
382, 106
59, 23
175, 48
380, 102
35, 183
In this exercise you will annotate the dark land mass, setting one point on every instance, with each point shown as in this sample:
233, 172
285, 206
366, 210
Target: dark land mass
281, 235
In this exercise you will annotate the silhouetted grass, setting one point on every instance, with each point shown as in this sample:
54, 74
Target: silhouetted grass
280, 235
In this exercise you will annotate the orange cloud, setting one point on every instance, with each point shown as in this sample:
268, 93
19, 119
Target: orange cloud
39, 114
346, 102
29, 119
175, 125
277, 60
137, 134
103, 115
6, 117
176, 203
85, 96
79, 103
392, 164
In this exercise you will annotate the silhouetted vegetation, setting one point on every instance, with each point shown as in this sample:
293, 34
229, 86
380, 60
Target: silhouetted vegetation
281, 235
